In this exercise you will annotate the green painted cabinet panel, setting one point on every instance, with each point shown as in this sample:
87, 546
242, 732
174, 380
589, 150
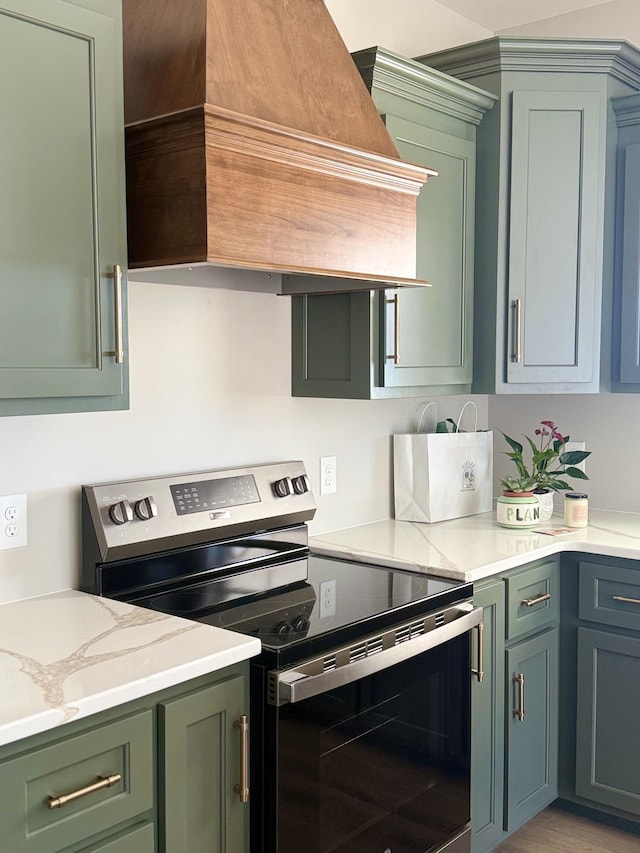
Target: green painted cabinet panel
487, 723
625, 355
200, 760
532, 675
546, 186
139, 839
533, 598
409, 341
121, 748
62, 206
607, 745
557, 152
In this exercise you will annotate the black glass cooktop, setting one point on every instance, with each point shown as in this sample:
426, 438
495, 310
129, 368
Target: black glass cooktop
323, 602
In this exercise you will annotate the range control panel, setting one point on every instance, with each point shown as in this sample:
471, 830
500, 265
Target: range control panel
144, 516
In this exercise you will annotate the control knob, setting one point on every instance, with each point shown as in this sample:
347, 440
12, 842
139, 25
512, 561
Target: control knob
121, 512
146, 508
282, 488
300, 484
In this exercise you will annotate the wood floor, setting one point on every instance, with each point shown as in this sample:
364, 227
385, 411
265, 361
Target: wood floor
557, 831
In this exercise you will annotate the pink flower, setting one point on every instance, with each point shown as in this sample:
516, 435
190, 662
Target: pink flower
549, 424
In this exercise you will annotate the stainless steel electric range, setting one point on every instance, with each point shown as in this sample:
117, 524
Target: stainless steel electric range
360, 698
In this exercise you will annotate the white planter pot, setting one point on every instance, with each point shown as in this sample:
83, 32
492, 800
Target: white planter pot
518, 512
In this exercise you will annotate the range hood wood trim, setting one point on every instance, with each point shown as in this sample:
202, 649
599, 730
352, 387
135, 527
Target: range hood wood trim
271, 193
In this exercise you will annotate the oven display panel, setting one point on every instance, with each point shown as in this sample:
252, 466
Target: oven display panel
207, 495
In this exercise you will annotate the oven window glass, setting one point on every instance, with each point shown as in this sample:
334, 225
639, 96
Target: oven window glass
381, 764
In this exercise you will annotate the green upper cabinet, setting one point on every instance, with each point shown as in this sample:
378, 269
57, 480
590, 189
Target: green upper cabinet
545, 209
62, 208
626, 307
409, 341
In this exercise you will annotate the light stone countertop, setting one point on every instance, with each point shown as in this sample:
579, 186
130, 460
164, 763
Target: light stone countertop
476, 547
67, 655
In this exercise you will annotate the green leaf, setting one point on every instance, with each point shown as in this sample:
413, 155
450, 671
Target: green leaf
573, 457
562, 484
515, 445
578, 473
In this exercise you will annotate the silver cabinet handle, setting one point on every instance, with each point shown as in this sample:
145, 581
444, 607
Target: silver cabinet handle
395, 355
479, 672
518, 711
243, 788
116, 275
531, 602
103, 782
625, 599
517, 330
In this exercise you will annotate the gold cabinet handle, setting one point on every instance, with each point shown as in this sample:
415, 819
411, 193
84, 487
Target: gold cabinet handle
479, 672
243, 788
625, 599
103, 782
116, 275
518, 712
395, 355
531, 602
517, 330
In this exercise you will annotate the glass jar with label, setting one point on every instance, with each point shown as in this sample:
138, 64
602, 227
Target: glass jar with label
576, 509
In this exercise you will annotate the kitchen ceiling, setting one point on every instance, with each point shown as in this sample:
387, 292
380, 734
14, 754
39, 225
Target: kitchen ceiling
498, 15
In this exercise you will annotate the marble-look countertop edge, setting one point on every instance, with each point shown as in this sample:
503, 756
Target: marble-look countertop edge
623, 545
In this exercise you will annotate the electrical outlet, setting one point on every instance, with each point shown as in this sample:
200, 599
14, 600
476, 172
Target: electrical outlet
577, 445
328, 475
327, 599
13, 521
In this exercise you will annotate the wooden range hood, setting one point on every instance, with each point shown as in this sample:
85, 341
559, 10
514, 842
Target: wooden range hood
253, 143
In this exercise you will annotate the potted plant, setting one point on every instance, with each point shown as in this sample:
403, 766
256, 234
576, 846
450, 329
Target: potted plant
549, 467
518, 506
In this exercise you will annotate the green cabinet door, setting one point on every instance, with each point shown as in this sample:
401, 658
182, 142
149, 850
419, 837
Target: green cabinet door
625, 354
608, 699
487, 722
62, 233
532, 673
544, 255
409, 341
200, 761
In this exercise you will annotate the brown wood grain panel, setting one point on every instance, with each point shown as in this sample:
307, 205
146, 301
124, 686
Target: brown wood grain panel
283, 61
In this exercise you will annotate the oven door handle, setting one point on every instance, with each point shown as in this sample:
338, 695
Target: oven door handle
297, 684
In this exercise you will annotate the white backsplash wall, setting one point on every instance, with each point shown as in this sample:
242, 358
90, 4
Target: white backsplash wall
210, 388
609, 424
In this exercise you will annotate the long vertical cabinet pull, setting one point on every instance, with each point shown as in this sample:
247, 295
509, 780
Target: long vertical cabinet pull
518, 711
243, 788
395, 355
517, 330
116, 275
479, 672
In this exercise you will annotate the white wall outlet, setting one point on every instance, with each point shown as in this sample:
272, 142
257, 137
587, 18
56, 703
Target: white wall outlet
327, 599
577, 445
328, 475
13, 521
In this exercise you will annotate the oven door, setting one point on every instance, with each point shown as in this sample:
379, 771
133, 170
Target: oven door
373, 755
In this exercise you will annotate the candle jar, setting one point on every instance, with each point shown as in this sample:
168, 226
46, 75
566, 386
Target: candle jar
576, 509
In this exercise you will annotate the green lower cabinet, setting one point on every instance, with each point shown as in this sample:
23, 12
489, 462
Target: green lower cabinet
608, 703
201, 761
487, 725
138, 839
532, 674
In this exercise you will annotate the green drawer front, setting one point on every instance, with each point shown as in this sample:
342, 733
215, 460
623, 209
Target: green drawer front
533, 599
27, 782
610, 595
139, 839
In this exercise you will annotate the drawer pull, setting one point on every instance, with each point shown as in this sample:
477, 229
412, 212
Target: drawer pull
243, 787
531, 602
519, 710
103, 782
116, 275
479, 672
517, 330
625, 599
